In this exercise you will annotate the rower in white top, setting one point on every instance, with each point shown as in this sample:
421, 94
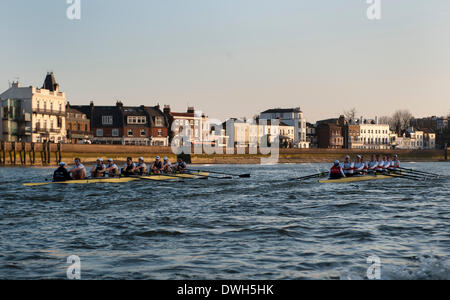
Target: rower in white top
348, 166
395, 163
359, 166
372, 165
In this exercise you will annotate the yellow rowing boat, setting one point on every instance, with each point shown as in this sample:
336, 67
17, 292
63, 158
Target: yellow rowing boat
126, 179
360, 178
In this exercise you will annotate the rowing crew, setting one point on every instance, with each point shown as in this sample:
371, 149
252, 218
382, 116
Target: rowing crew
377, 164
78, 172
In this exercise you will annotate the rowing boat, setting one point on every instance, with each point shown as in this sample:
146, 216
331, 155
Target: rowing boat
125, 179
360, 178
86, 181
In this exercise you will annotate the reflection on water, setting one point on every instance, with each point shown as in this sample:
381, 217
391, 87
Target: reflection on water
264, 227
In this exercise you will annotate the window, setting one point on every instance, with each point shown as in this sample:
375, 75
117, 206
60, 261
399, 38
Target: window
158, 122
99, 132
137, 120
107, 120
115, 132
130, 132
85, 127
143, 132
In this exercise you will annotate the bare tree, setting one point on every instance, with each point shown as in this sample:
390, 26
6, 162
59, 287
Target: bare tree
401, 121
350, 114
385, 120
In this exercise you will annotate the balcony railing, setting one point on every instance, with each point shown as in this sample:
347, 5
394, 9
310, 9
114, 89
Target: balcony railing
46, 130
48, 112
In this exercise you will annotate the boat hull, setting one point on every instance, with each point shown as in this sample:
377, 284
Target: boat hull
359, 178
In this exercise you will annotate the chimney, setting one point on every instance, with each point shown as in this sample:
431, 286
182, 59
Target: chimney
16, 84
119, 103
190, 110
376, 120
91, 104
167, 109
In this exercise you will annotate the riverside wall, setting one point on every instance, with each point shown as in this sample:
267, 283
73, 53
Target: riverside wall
38, 154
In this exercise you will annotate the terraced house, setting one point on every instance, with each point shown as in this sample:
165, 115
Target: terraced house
127, 125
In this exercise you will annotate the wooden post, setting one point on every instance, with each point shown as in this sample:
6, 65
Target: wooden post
2, 153
12, 154
23, 155
44, 153
446, 151
31, 155
58, 153
48, 153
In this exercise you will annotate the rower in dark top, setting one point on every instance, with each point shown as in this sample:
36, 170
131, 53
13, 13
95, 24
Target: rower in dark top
99, 169
157, 166
61, 174
180, 166
129, 167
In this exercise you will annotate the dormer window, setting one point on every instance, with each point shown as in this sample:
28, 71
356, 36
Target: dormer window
138, 120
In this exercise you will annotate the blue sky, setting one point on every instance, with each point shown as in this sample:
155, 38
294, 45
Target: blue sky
233, 58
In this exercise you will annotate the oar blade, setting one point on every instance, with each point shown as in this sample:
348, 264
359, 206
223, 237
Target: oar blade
245, 176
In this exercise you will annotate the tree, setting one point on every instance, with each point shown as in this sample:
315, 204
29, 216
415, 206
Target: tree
350, 114
385, 120
401, 121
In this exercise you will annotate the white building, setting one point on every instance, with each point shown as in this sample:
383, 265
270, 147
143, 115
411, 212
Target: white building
46, 108
292, 117
374, 136
415, 140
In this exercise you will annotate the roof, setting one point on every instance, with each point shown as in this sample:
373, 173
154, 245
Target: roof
50, 82
281, 110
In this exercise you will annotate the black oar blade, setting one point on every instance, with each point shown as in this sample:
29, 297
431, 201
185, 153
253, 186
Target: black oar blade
244, 176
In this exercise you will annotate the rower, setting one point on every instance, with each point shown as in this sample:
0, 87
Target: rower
387, 164
348, 167
380, 163
395, 163
180, 166
372, 165
141, 167
336, 171
99, 169
112, 169
167, 166
78, 171
61, 174
129, 167
157, 166
359, 165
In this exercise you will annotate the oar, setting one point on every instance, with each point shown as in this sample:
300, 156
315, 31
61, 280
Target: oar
209, 176
419, 172
221, 173
399, 176
312, 176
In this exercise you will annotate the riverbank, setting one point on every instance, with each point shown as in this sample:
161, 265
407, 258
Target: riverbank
51, 154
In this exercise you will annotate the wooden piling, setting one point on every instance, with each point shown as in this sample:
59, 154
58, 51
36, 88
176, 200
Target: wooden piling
2, 153
32, 154
446, 151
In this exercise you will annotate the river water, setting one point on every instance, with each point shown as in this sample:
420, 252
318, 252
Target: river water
265, 227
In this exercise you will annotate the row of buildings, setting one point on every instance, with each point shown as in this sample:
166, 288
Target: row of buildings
368, 134
32, 114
